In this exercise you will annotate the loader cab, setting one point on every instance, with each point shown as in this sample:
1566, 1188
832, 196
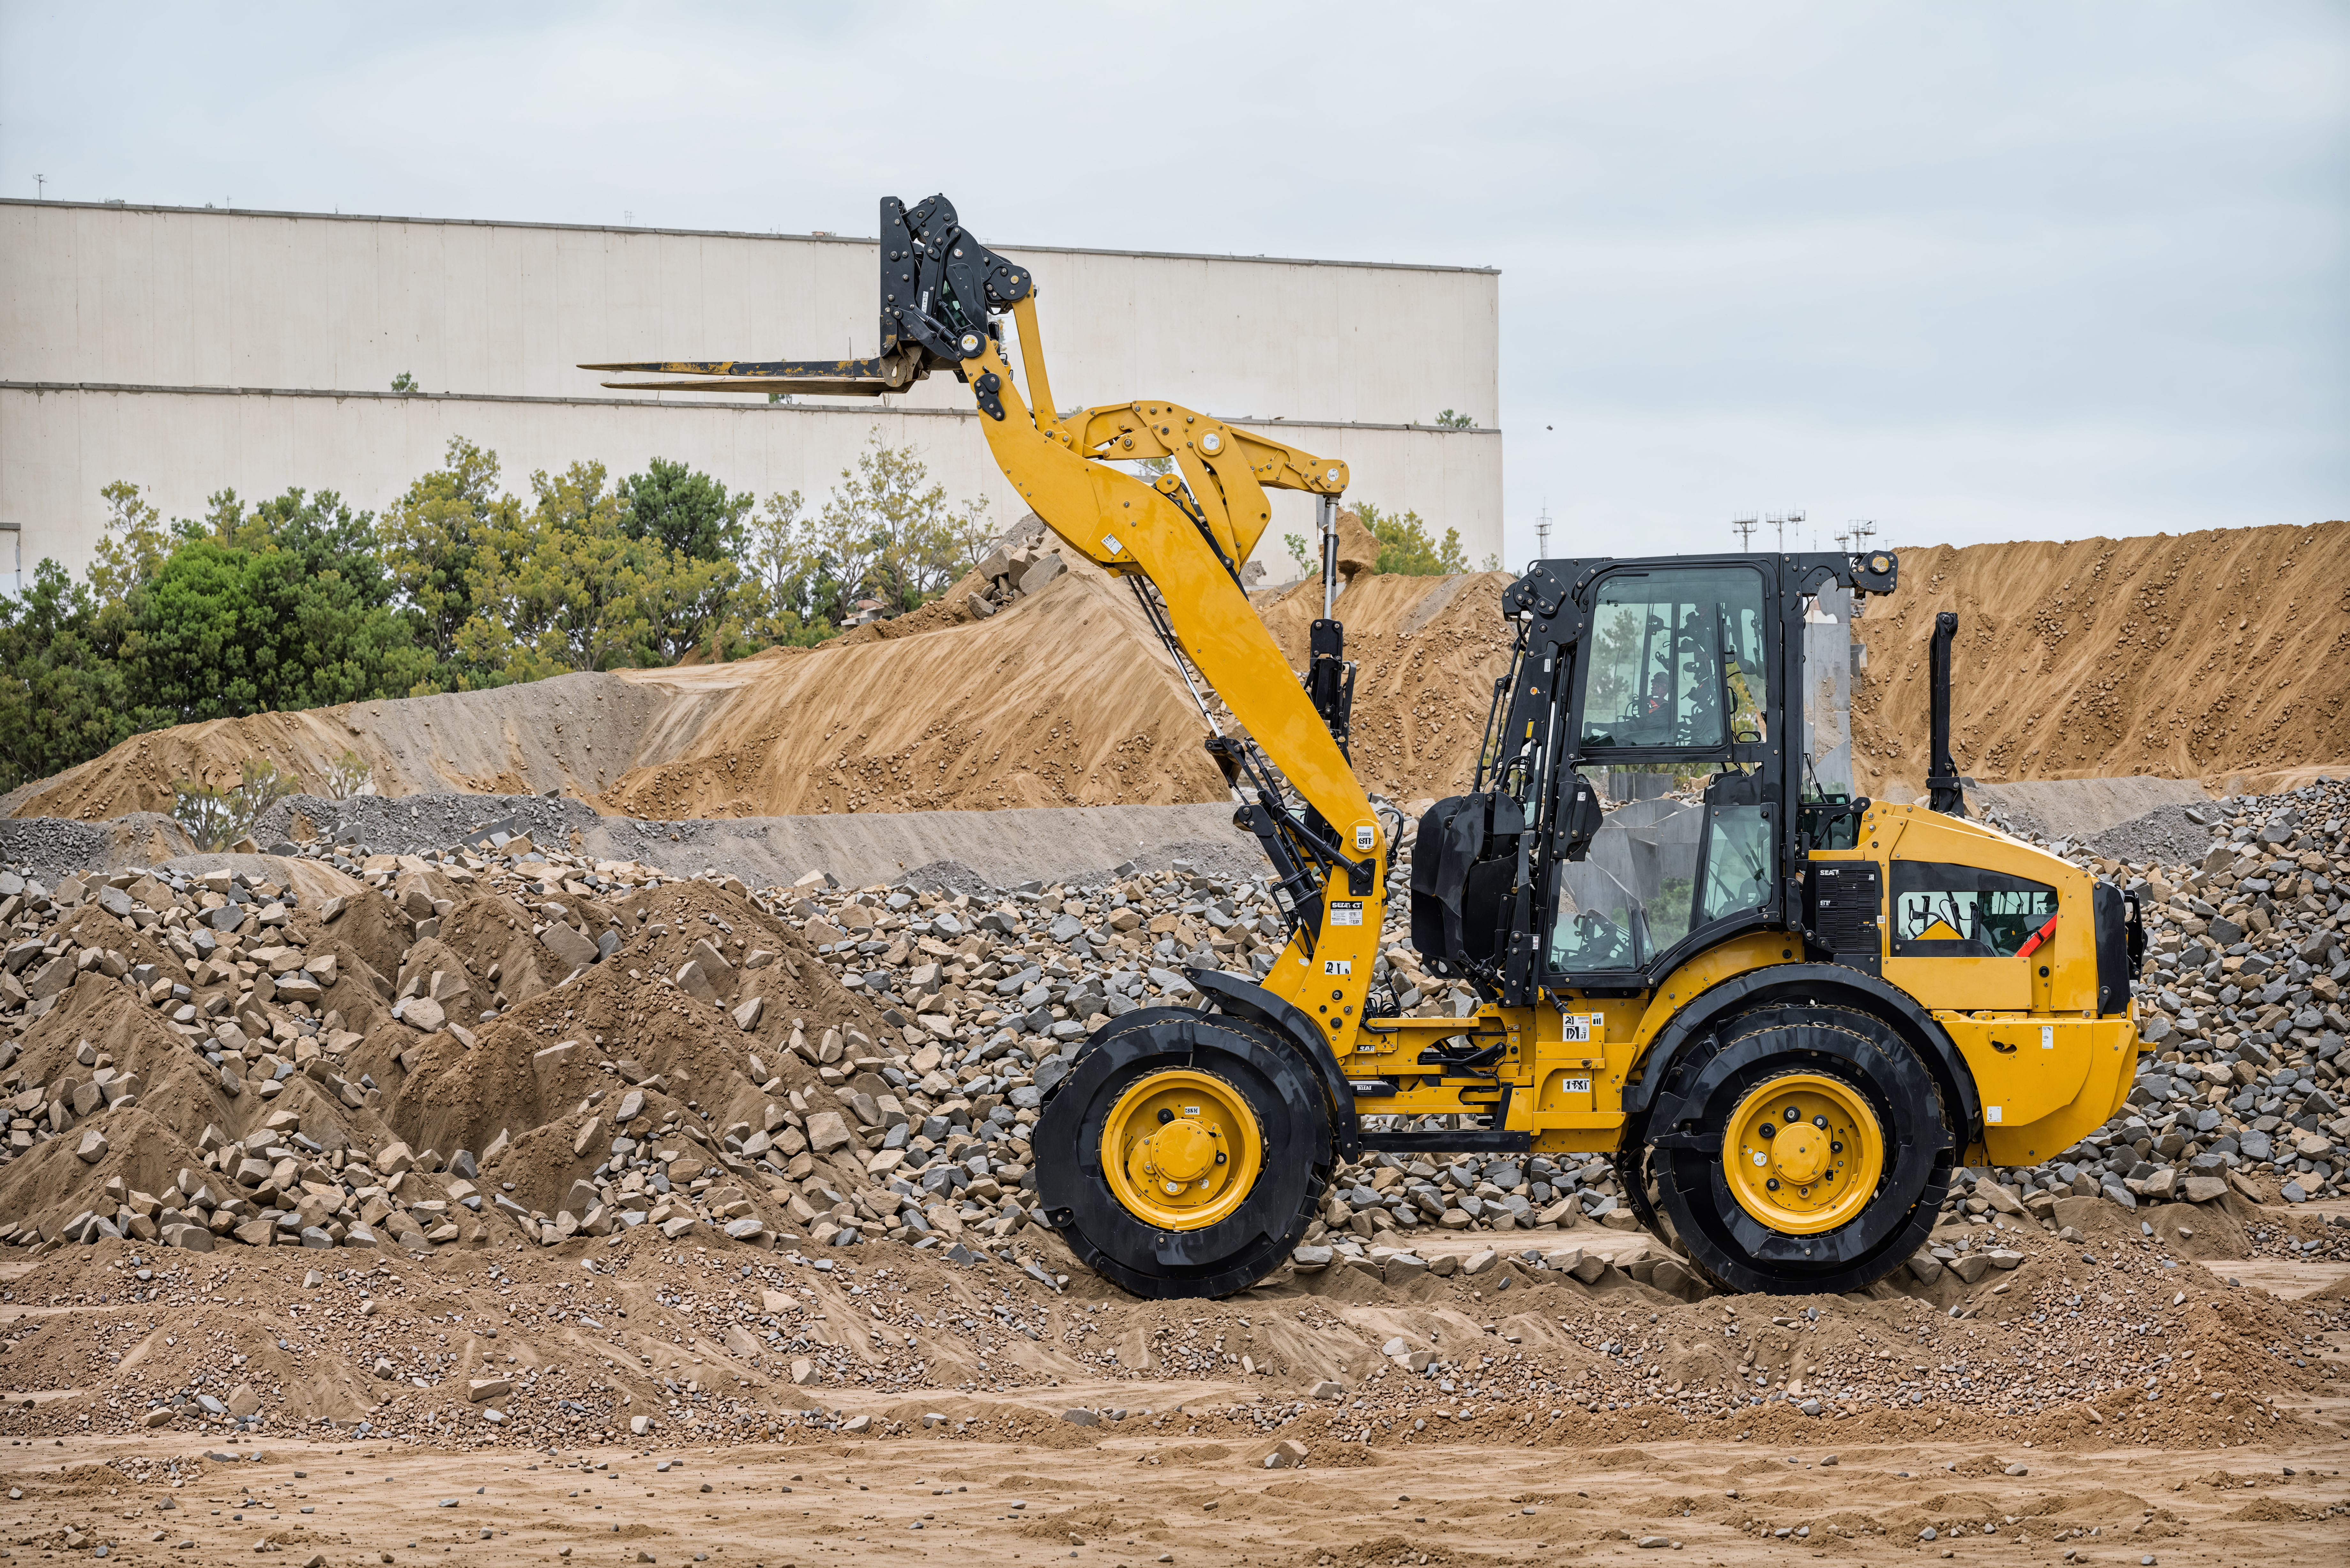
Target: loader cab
1647, 783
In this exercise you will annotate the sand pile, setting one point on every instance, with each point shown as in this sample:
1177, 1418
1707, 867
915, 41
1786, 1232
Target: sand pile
1065, 697
2214, 656
1058, 695
573, 732
2220, 655
1427, 652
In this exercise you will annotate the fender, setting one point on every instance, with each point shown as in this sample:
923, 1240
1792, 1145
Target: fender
1234, 994
1815, 982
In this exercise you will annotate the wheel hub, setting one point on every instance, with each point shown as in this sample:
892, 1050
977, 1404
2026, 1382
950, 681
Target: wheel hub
1802, 1153
1180, 1149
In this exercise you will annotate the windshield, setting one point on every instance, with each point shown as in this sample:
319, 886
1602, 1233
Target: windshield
1676, 659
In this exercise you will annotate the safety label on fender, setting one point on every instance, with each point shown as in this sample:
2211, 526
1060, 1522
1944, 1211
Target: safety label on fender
1363, 838
1346, 912
1575, 1086
1577, 1028
1110, 546
2048, 1037
1338, 966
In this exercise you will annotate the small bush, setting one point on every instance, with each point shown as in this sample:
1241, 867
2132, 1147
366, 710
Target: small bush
349, 775
217, 816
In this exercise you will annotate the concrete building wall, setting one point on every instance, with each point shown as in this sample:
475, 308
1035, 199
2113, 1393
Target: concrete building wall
203, 326
62, 446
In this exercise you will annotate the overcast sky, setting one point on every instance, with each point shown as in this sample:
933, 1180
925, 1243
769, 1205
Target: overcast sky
1993, 270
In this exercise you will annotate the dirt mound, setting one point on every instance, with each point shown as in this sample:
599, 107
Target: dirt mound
2218, 656
1065, 697
2222, 656
1427, 652
576, 734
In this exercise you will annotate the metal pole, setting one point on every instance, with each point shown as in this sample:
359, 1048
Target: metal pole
1329, 555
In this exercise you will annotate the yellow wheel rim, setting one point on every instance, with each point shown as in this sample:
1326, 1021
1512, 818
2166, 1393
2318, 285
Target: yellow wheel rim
1181, 1149
1802, 1153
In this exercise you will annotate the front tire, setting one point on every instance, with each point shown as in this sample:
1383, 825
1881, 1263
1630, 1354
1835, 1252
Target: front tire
1185, 1153
1800, 1149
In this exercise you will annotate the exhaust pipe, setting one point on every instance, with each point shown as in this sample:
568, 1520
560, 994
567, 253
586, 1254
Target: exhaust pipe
1943, 793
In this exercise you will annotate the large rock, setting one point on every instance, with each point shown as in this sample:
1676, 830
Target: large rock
568, 945
827, 1131
694, 981
1971, 1267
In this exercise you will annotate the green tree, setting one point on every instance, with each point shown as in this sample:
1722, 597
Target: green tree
1302, 553
133, 545
685, 511
888, 534
433, 537
1449, 420
558, 590
1406, 547
283, 606
776, 597
65, 693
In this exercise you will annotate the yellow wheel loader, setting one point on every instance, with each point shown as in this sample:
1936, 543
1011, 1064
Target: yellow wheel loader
1783, 1014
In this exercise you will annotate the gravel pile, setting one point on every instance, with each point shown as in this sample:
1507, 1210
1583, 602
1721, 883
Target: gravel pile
414, 824
52, 848
2241, 999
2167, 834
886, 1091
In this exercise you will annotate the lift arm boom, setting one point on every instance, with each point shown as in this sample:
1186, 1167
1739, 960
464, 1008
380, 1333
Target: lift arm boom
944, 296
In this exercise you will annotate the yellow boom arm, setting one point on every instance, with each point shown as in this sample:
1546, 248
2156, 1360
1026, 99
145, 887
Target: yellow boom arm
1188, 537
943, 298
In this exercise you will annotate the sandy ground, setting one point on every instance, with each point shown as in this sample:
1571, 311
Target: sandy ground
1163, 1495
986, 1468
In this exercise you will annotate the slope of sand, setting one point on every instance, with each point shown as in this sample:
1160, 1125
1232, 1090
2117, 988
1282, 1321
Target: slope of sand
573, 732
1065, 697
2222, 656
1427, 652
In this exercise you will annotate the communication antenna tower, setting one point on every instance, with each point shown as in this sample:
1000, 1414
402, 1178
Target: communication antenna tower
1863, 531
1542, 533
1745, 526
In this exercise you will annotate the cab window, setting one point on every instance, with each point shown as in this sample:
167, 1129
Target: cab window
1676, 659
1964, 911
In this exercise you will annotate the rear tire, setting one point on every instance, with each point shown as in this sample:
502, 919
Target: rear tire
1811, 1059
1270, 1093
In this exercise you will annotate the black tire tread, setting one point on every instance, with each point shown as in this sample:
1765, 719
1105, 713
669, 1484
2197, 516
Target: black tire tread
1713, 1265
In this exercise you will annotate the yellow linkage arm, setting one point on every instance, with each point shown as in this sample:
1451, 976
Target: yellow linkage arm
1127, 526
